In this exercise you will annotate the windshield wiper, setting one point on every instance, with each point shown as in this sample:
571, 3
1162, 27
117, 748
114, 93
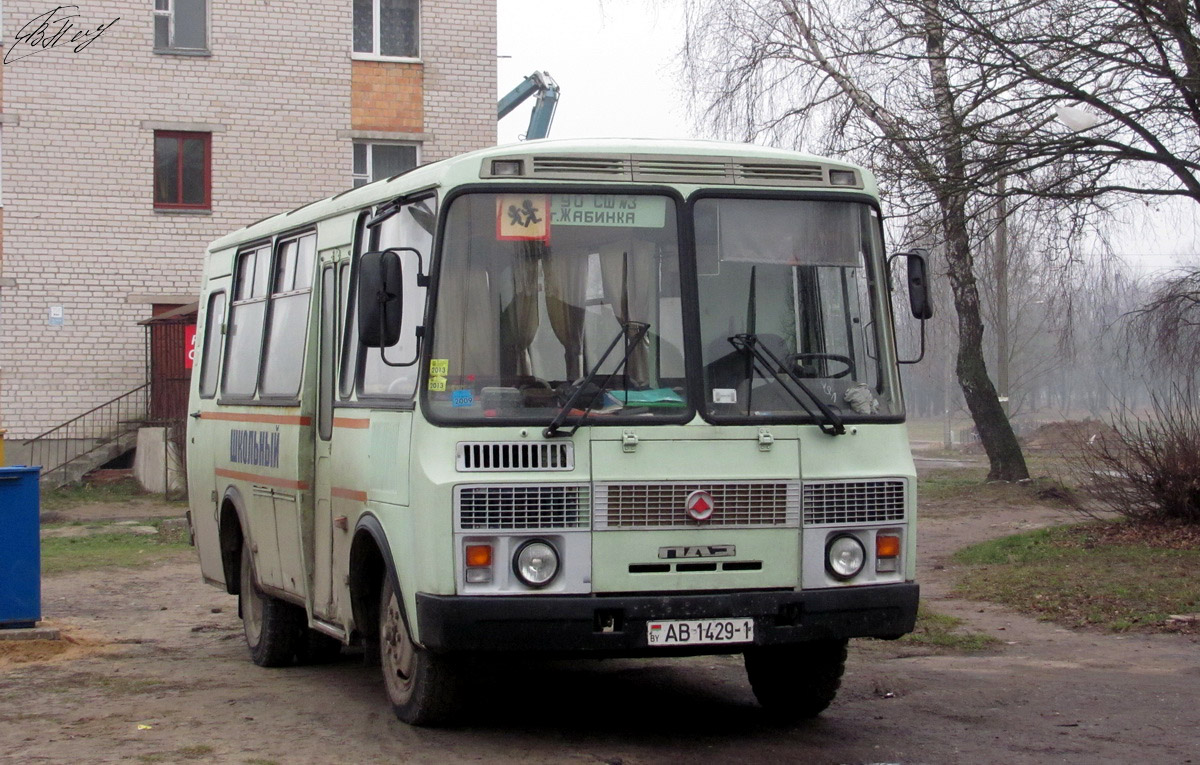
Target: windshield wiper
748, 343
639, 329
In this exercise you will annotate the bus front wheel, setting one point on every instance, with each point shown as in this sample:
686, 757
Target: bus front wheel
796, 682
271, 626
420, 686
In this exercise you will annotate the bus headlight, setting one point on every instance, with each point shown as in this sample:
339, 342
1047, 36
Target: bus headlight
536, 562
844, 557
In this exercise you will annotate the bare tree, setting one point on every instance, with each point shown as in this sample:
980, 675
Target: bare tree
1115, 80
1169, 321
888, 82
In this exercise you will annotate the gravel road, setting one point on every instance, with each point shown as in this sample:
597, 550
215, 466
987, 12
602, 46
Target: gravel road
159, 673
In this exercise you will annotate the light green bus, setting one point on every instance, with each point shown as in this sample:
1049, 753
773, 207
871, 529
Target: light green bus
567, 398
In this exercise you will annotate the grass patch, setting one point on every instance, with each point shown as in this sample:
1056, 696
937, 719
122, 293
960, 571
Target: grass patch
971, 485
70, 496
950, 483
110, 548
1088, 575
185, 753
942, 631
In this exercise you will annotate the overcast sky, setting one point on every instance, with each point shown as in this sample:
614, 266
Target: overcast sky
616, 62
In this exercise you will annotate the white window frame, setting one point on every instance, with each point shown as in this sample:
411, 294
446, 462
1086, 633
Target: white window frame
366, 177
166, 9
374, 54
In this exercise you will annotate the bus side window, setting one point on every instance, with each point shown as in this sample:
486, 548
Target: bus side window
327, 354
411, 227
343, 306
210, 361
244, 347
350, 312
287, 326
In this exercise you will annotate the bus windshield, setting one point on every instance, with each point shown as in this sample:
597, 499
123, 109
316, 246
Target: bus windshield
534, 287
795, 281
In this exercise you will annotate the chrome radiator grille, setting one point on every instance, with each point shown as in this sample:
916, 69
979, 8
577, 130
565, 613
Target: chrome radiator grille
522, 507
484, 456
746, 504
848, 502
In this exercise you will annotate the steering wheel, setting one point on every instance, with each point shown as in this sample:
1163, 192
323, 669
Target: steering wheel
798, 360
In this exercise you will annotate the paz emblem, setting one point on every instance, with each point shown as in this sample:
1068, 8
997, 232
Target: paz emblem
700, 505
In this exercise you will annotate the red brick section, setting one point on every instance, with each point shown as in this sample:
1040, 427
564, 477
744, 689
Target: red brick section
387, 95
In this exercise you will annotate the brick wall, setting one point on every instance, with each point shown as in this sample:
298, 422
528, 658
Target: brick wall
458, 48
79, 227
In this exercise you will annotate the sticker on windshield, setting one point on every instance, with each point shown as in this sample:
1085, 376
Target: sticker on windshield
437, 384
461, 398
522, 217
724, 395
439, 367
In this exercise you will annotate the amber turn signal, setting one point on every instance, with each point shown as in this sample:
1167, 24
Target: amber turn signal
887, 546
479, 555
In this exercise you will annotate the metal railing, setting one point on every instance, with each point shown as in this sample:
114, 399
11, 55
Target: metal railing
98, 428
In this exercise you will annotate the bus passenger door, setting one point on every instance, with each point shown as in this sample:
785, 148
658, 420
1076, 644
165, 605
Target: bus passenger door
204, 439
321, 558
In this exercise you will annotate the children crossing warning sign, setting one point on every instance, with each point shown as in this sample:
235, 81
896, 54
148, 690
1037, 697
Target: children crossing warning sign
522, 217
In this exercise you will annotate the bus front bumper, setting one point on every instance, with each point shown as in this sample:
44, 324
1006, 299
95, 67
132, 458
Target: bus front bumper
615, 625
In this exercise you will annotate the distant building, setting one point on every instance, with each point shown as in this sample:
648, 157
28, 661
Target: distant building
180, 121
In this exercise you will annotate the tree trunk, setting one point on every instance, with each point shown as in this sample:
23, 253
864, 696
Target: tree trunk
1007, 463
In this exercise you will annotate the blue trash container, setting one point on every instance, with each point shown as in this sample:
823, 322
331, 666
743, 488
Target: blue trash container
20, 548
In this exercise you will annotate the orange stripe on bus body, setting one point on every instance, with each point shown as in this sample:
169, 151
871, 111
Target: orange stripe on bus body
266, 480
354, 494
270, 419
353, 423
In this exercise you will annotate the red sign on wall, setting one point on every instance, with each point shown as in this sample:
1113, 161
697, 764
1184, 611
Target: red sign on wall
189, 345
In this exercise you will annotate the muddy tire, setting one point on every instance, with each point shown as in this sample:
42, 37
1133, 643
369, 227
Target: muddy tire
796, 682
421, 686
271, 626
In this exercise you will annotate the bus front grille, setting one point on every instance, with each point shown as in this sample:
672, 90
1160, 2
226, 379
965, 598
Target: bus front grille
744, 504
485, 456
523, 507
852, 502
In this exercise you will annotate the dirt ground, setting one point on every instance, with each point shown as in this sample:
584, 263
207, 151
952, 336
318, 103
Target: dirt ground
156, 671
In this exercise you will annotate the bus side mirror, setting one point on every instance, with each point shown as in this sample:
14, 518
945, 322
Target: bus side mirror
918, 292
380, 298
918, 285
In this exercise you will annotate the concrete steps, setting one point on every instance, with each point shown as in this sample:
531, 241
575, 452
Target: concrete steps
90, 458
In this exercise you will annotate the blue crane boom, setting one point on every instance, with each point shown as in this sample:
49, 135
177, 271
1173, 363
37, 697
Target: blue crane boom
547, 91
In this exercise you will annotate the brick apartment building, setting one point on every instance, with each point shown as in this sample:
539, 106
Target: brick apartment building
148, 128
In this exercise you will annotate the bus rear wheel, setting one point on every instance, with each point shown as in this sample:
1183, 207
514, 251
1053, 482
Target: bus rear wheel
271, 626
796, 682
420, 686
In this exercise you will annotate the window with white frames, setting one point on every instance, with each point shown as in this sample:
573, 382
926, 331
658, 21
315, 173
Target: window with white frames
243, 350
388, 28
287, 321
210, 362
180, 26
376, 161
